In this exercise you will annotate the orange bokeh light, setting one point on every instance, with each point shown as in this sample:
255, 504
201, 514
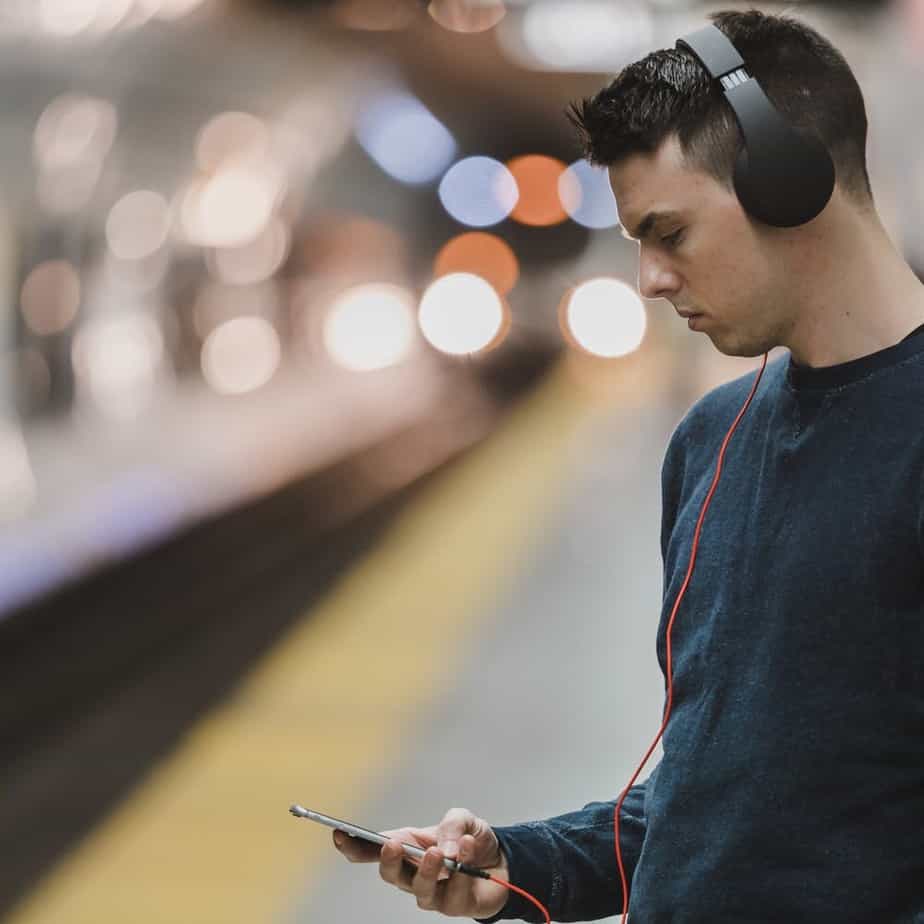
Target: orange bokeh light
537, 176
483, 254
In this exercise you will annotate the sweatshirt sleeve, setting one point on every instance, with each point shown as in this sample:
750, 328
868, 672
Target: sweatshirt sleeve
569, 862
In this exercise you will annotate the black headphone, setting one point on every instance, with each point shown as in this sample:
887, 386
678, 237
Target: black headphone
783, 176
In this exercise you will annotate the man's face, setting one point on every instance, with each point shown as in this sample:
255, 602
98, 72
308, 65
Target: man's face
721, 265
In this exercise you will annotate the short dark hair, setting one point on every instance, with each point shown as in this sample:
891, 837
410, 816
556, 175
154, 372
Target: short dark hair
669, 92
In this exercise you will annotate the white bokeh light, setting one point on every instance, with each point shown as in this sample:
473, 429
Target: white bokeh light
461, 313
137, 225
606, 317
231, 134
255, 260
587, 36
370, 327
112, 13
176, 9
232, 207
240, 355
116, 360
66, 18
73, 130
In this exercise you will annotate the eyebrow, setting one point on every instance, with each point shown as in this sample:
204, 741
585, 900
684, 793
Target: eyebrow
647, 223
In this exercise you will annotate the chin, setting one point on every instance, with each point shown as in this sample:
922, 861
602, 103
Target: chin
736, 348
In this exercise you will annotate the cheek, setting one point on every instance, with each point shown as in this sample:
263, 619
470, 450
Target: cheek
715, 277
736, 274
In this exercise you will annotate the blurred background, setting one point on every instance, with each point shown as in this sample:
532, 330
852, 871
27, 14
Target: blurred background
331, 425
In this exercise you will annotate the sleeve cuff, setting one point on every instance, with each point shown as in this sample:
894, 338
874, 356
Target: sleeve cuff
528, 854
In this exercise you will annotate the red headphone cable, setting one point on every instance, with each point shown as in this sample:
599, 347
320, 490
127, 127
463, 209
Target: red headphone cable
483, 874
622, 872
670, 626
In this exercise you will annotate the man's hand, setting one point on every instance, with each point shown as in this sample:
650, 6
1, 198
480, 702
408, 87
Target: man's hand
459, 836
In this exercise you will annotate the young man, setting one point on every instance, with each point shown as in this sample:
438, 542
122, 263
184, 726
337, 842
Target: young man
792, 782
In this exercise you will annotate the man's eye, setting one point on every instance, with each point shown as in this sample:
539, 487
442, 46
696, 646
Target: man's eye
672, 240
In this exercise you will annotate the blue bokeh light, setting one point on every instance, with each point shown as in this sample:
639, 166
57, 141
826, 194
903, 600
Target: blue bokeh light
479, 191
587, 196
404, 138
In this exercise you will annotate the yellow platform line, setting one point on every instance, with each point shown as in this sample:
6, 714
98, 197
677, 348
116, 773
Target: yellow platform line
206, 836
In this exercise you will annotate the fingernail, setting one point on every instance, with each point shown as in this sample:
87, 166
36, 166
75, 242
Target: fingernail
450, 849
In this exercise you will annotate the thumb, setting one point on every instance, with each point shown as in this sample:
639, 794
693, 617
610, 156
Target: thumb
455, 823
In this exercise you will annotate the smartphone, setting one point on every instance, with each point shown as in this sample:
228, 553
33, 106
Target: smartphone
376, 838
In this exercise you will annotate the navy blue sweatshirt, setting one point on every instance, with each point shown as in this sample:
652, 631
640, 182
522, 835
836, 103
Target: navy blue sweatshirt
791, 786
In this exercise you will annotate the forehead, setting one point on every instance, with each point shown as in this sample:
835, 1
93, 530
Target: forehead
660, 182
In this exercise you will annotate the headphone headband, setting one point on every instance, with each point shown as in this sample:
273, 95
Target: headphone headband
784, 177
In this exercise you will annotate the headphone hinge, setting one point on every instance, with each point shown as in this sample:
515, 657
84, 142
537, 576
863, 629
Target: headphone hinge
735, 78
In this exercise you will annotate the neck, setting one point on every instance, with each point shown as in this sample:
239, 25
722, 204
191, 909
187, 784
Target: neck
861, 295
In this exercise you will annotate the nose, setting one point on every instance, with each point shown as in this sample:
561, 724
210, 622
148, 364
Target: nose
656, 279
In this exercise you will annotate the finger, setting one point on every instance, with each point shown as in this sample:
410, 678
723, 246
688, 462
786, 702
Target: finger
459, 898
395, 868
458, 823
455, 823
423, 837
426, 884
355, 849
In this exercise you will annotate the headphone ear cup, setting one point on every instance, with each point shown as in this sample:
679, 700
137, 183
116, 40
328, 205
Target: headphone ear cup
787, 187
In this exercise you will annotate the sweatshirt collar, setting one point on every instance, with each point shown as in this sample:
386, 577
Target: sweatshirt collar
803, 377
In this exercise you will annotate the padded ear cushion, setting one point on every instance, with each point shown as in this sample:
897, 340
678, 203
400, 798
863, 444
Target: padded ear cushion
783, 176
788, 188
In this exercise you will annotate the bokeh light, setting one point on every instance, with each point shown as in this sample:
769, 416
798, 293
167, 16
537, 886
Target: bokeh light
404, 138
462, 313
116, 359
217, 302
232, 207
50, 296
142, 12
255, 260
240, 355
467, 15
176, 9
137, 225
370, 327
587, 196
72, 138
587, 36
478, 191
66, 18
231, 135
74, 129
481, 254
111, 14
604, 316
536, 177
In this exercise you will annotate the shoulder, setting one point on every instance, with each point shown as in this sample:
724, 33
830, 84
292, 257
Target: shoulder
716, 410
